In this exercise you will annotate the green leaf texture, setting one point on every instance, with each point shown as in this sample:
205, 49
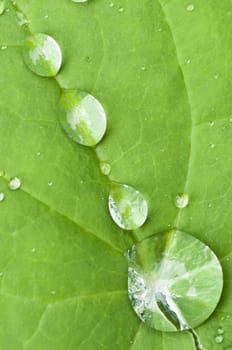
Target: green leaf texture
163, 75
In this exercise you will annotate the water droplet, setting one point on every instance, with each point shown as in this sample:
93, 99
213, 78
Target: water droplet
219, 339
7, 9
143, 67
21, 18
211, 123
187, 61
33, 250
2, 173
53, 292
82, 117
14, 183
216, 76
2, 7
42, 55
212, 145
105, 168
128, 208
38, 154
3, 47
2, 196
190, 8
46, 16
181, 201
220, 330
121, 9
164, 272
79, 1
111, 4
50, 183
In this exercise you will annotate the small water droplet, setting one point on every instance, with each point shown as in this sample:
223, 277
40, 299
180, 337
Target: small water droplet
188, 61
50, 183
111, 4
211, 123
21, 18
216, 76
2, 196
7, 9
83, 117
219, 339
2, 7
3, 47
181, 201
33, 250
105, 168
79, 1
220, 330
38, 154
14, 183
190, 8
143, 67
42, 55
2, 173
212, 145
46, 16
53, 292
121, 9
128, 207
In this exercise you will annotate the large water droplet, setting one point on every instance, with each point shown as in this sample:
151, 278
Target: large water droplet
128, 207
174, 281
42, 55
2, 196
181, 201
220, 330
105, 168
2, 7
82, 117
14, 183
219, 339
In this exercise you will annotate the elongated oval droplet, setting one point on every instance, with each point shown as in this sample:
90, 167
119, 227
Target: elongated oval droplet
174, 281
128, 207
82, 117
2, 196
42, 55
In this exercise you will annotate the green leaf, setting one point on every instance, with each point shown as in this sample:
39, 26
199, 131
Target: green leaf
162, 73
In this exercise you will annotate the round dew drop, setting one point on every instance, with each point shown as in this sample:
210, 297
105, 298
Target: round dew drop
105, 168
181, 201
219, 339
170, 275
14, 183
42, 55
82, 117
128, 208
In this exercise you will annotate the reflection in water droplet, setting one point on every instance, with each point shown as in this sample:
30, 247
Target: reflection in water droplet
181, 201
42, 55
219, 339
170, 275
211, 123
190, 8
2, 196
105, 168
2, 7
82, 117
14, 183
128, 208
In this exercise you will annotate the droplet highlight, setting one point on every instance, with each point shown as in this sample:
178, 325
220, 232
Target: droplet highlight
42, 55
79, 1
128, 207
219, 339
14, 183
2, 196
174, 281
190, 8
105, 168
181, 201
82, 117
